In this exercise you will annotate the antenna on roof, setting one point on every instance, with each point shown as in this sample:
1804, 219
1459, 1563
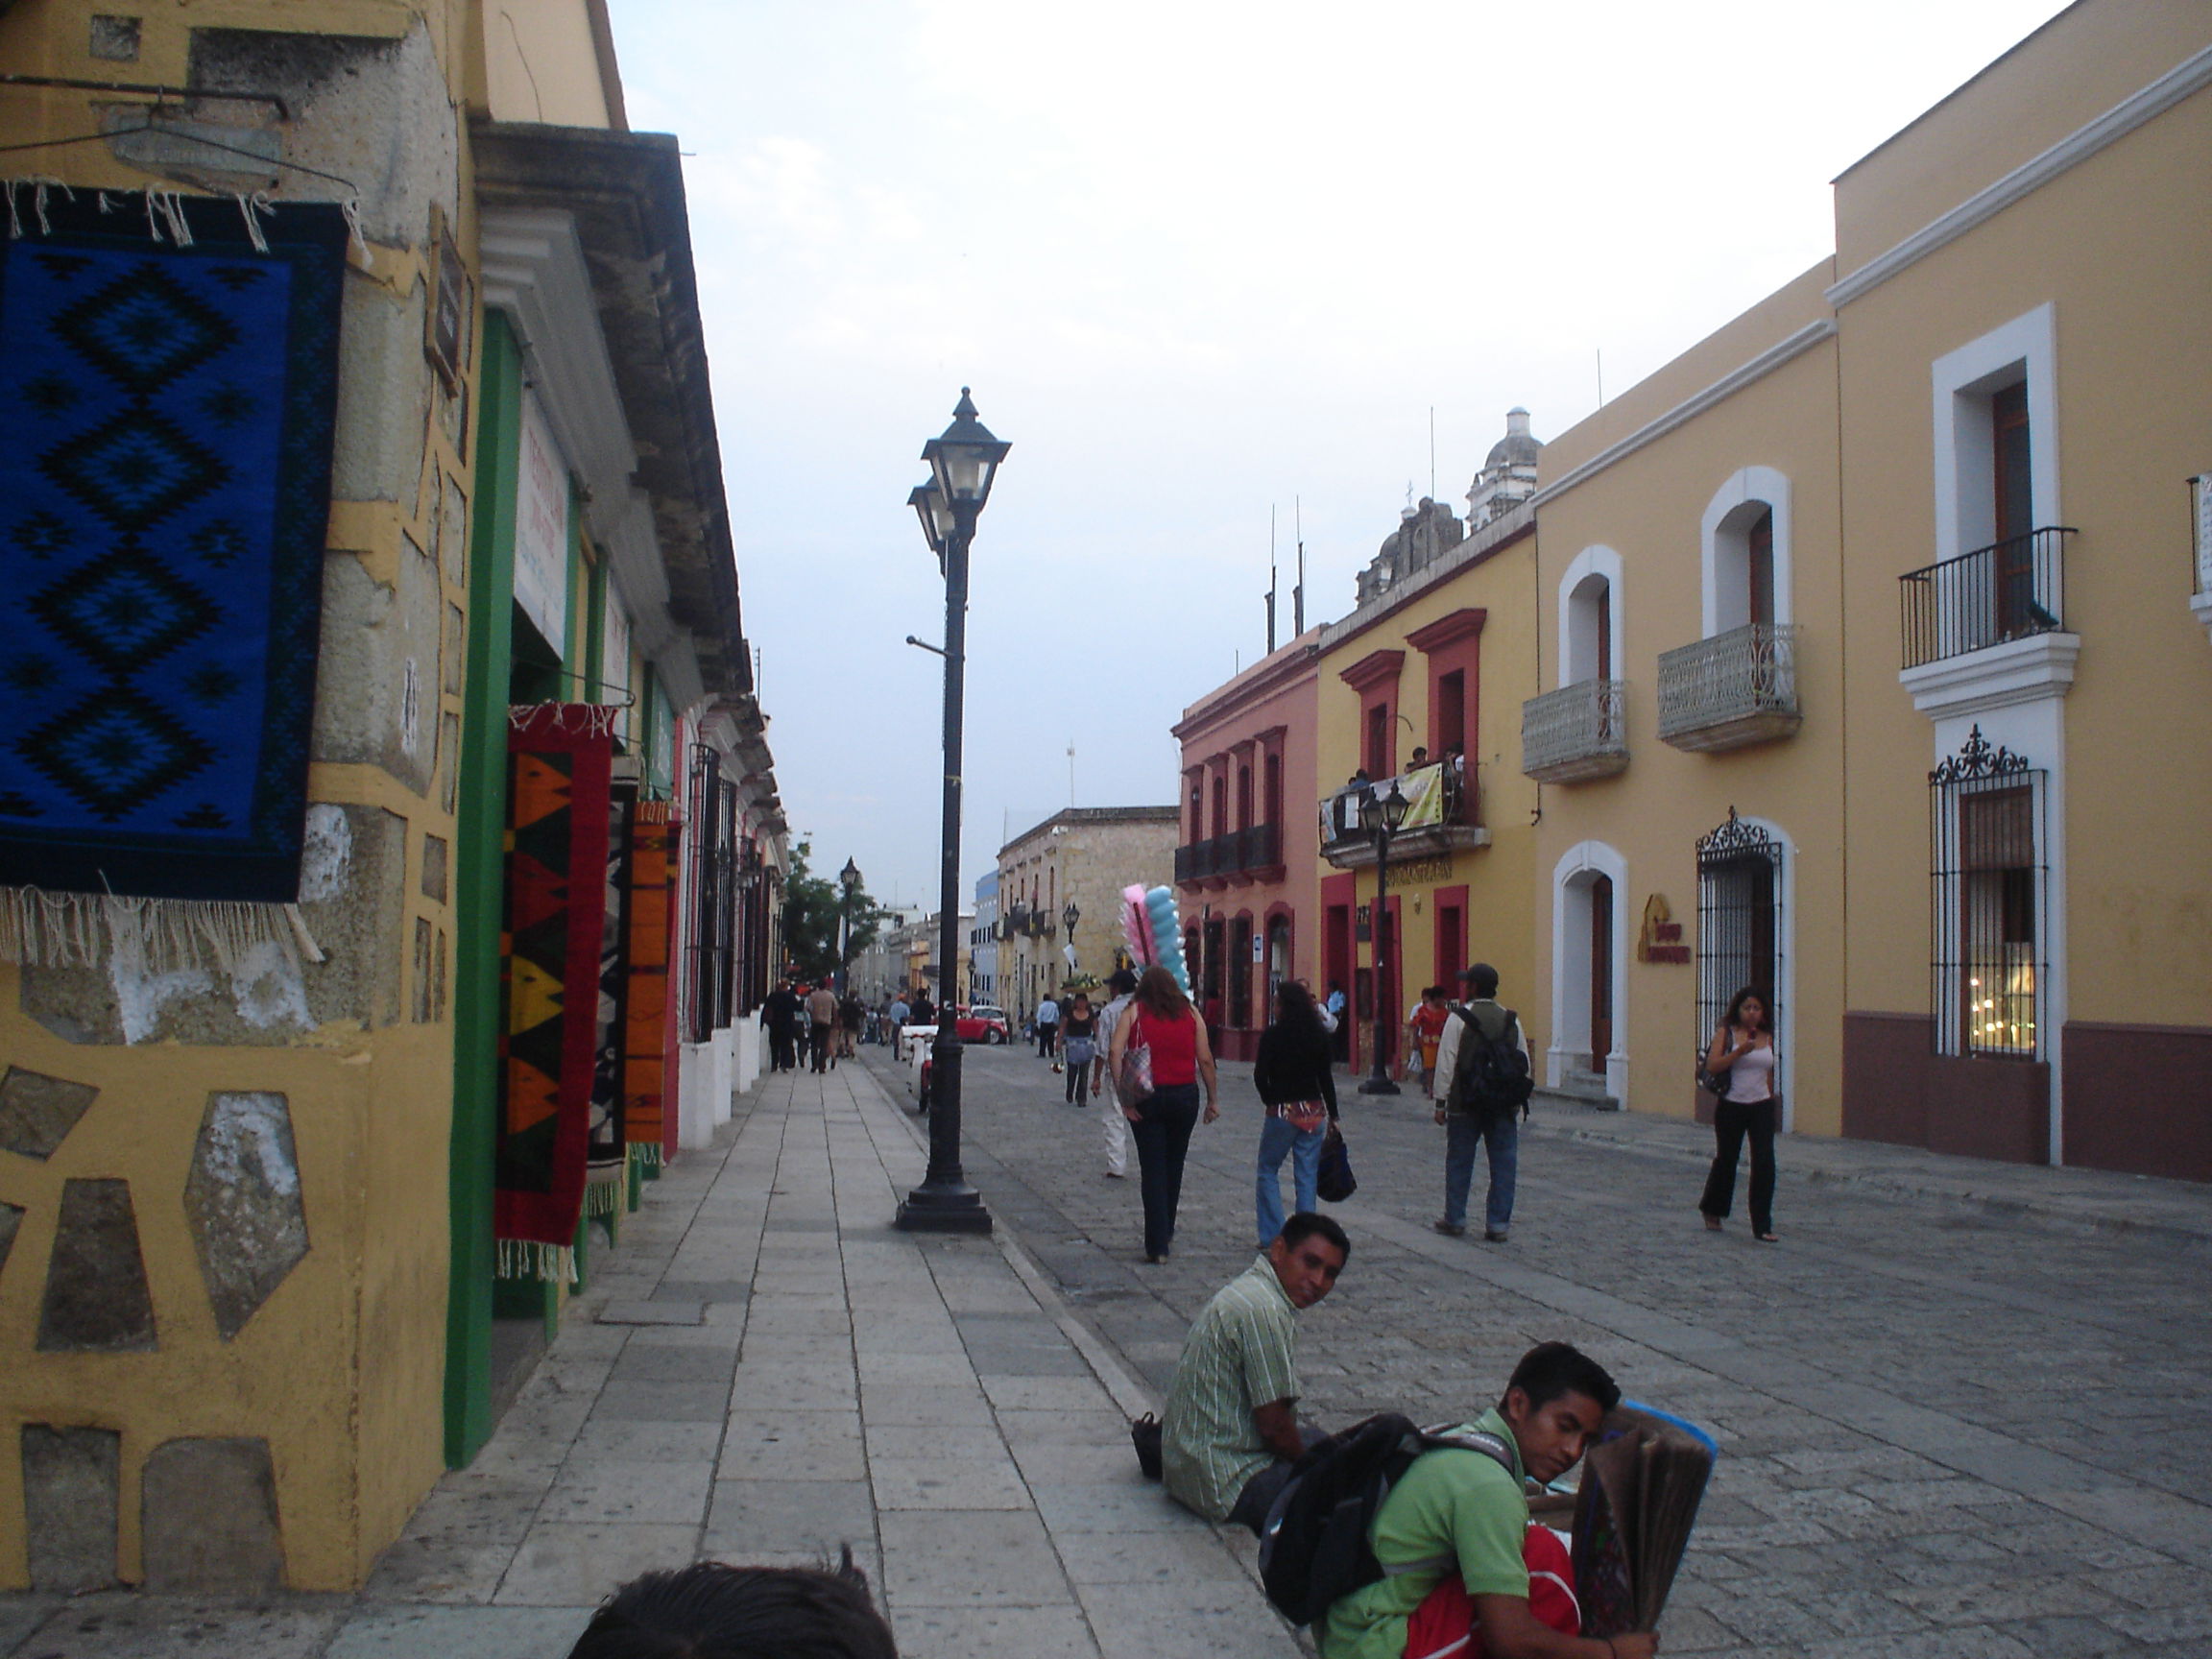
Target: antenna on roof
1600, 377
1431, 451
1271, 579
1298, 591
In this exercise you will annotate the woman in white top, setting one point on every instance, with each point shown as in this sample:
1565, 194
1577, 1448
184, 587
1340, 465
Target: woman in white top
1744, 1052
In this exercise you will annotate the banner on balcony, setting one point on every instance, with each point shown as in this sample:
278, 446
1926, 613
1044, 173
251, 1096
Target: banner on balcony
559, 793
166, 411
1424, 792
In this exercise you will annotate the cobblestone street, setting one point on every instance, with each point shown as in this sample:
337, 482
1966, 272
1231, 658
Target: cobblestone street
1954, 1403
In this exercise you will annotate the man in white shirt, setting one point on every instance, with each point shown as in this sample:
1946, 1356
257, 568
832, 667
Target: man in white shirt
1123, 985
1048, 1027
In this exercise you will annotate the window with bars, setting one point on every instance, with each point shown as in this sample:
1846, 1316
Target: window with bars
710, 984
1989, 893
1739, 923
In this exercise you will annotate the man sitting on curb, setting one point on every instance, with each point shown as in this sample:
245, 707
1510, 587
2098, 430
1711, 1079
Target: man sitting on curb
1230, 1429
1460, 1510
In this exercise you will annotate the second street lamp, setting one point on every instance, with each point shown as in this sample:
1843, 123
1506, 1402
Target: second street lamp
963, 462
1069, 918
1380, 815
849, 879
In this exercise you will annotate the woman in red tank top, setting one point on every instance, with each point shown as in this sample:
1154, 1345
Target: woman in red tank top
1163, 1021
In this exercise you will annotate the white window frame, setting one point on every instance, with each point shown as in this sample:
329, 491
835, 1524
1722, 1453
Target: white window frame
1571, 933
1724, 548
2022, 352
1578, 655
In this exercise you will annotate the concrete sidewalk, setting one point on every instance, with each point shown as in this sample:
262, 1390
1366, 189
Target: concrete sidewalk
764, 1371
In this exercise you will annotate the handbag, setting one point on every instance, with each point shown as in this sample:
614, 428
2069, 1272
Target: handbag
1334, 1180
1133, 1081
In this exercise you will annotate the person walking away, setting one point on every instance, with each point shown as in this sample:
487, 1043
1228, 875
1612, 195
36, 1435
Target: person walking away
851, 1015
1230, 1431
1472, 1119
1113, 1124
779, 1013
1047, 1028
1743, 1051
1425, 1033
1293, 1075
1078, 1039
1163, 1019
822, 1024
1459, 1511
899, 1016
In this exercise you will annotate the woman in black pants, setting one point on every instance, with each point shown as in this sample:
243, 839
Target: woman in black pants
1162, 1019
1743, 1051
1078, 1035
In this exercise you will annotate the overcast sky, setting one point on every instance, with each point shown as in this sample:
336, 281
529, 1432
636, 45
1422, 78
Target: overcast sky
1199, 260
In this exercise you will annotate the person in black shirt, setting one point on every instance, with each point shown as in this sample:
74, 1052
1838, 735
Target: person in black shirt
1292, 1074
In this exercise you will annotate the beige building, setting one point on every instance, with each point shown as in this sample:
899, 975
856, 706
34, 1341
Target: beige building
1873, 644
1084, 856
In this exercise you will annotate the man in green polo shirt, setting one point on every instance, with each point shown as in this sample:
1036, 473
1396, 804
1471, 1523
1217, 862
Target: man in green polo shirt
1462, 1510
1231, 1431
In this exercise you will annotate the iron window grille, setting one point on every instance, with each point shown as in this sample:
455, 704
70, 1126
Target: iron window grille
1739, 926
710, 983
1990, 893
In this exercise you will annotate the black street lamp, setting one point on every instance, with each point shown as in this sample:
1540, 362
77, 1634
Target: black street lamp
1069, 918
1380, 815
847, 878
962, 462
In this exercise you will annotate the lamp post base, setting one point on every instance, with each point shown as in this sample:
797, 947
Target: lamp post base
943, 1210
1378, 1084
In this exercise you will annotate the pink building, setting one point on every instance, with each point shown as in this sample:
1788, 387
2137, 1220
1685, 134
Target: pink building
1248, 871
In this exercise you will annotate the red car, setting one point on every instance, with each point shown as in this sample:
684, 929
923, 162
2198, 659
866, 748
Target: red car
982, 1023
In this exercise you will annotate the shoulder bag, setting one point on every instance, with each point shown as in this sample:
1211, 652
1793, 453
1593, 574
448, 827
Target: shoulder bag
1133, 1078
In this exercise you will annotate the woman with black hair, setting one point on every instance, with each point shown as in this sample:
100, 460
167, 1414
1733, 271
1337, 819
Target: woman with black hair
1743, 1051
1291, 1072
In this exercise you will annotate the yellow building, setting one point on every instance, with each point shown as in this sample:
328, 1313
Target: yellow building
1874, 643
1419, 692
250, 1088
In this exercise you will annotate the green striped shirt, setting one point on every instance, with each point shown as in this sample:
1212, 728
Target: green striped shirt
1240, 1353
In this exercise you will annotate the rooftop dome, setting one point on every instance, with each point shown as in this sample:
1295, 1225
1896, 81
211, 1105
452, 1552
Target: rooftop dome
1517, 448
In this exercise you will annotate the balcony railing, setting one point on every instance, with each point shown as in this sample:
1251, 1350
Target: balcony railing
1576, 733
2009, 590
1239, 852
1733, 689
1443, 815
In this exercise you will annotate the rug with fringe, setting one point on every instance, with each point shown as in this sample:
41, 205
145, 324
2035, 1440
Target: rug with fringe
166, 409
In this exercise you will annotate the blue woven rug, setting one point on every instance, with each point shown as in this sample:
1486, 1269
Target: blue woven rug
166, 427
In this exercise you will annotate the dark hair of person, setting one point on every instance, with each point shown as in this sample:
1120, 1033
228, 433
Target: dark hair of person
1481, 980
713, 1610
1295, 1009
1735, 1014
1158, 995
1122, 982
1552, 1369
1306, 1224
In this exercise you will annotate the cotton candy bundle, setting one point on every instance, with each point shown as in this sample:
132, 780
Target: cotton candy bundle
1167, 934
1137, 924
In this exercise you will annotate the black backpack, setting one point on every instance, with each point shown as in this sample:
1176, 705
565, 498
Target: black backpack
1316, 1547
1491, 1078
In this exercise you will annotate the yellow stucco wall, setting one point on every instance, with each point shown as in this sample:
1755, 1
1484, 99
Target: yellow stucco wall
2118, 248
539, 64
340, 1370
1649, 508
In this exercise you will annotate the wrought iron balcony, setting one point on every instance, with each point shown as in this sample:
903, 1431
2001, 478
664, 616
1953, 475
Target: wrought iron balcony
1444, 816
2009, 590
1734, 689
1576, 733
1236, 857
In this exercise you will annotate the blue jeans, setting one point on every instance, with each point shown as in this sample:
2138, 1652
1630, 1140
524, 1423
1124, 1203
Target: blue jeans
1277, 1141
1163, 1135
1464, 1131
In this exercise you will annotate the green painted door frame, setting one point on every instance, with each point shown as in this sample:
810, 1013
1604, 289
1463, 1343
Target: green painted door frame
480, 860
